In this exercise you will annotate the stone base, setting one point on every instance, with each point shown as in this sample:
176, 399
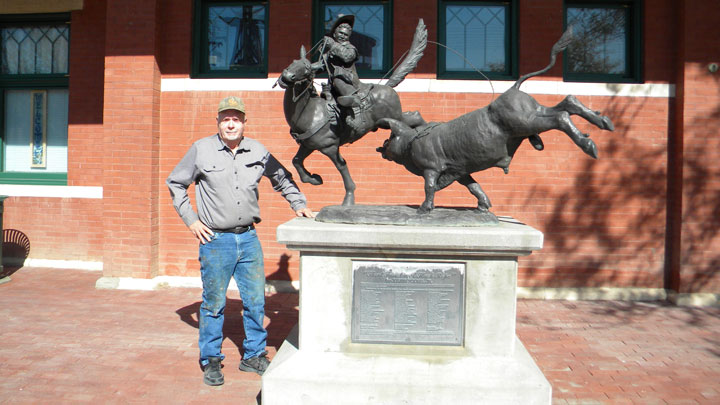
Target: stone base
396, 354
297, 377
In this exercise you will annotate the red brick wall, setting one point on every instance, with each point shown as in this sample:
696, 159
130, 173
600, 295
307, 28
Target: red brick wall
131, 139
697, 258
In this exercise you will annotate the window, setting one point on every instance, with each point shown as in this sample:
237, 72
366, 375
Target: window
372, 33
230, 39
34, 99
477, 36
606, 44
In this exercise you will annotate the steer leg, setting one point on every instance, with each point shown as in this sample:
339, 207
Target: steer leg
477, 191
572, 105
549, 118
431, 177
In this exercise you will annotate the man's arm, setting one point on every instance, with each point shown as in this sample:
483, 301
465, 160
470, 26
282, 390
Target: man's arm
283, 183
178, 182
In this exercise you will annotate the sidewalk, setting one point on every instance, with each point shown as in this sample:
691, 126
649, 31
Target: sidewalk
63, 341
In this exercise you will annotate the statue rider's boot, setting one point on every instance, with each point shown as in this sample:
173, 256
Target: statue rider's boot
356, 121
349, 101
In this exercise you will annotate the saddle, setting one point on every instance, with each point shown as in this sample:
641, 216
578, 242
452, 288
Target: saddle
334, 114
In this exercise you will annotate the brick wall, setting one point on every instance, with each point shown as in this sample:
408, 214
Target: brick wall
131, 139
697, 256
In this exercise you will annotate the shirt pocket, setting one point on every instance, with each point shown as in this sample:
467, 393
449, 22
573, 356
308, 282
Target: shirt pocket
214, 174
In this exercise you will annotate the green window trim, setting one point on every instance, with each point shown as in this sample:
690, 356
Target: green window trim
30, 82
200, 52
318, 31
511, 43
633, 43
44, 179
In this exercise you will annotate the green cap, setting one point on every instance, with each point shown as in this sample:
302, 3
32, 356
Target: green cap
231, 103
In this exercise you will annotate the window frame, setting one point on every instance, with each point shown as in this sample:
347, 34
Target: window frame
511, 43
318, 31
31, 82
633, 43
199, 67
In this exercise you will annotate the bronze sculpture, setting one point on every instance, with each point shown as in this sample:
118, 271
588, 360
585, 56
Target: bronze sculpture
316, 123
488, 137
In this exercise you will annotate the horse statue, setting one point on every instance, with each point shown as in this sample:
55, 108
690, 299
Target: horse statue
443, 153
317, 125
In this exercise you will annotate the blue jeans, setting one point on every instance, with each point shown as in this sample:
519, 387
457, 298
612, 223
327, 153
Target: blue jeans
240, 256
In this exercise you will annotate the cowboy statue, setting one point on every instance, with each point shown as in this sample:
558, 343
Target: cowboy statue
337, 57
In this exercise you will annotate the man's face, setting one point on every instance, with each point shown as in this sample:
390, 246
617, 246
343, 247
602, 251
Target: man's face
231, 125
342, 33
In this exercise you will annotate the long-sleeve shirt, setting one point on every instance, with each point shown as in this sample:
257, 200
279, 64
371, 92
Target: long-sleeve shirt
226, 183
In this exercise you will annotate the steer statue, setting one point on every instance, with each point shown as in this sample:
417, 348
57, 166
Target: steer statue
488, 137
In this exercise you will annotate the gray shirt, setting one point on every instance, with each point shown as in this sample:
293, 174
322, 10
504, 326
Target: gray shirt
226, 184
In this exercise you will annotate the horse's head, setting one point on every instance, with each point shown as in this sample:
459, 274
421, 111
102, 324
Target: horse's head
299, 71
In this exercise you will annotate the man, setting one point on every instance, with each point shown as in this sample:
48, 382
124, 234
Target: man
338, 58
226, 168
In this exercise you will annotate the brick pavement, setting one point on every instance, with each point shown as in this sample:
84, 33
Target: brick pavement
63, 341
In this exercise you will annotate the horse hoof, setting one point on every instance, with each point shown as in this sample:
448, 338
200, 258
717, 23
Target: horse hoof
349, 200
424, 210
607, 124
315, 180
590, 148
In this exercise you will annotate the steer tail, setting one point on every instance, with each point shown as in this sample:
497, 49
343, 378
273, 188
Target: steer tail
559, 46
413, 56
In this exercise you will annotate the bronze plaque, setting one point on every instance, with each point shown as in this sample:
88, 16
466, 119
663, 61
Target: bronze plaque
410, 303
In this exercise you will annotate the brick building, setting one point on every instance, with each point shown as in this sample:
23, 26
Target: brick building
138, 81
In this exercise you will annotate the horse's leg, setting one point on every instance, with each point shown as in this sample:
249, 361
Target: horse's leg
549, 118
298, 162
572, 105
477, 191
333, 153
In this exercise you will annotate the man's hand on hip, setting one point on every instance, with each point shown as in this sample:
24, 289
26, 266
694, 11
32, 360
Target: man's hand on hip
202, 232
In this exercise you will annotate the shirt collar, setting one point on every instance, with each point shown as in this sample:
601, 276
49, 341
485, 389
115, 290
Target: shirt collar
241, 148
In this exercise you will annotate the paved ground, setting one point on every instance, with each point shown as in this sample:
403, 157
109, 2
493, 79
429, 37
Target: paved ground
63, 341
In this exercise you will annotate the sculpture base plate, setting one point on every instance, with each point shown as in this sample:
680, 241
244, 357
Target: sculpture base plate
300, 377
405, 215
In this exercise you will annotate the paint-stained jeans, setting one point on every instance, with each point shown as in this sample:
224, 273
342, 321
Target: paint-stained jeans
240, 256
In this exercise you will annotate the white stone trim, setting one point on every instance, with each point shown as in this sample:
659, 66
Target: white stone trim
695, 299
593, 293
20, 190
64, 264
160, 282
552, 87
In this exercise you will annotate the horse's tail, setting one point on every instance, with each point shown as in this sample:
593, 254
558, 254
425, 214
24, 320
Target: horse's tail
413, 56
559, 46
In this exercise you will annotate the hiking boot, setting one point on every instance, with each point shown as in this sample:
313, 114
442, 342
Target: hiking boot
212, 375
257, 364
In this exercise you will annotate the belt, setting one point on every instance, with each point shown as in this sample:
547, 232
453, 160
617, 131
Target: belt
237, 229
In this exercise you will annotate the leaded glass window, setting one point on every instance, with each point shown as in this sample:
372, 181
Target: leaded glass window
606, 41
371, 31
231, 39
476, 36
41, 49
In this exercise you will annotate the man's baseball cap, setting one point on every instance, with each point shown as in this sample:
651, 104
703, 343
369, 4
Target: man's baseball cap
231, 103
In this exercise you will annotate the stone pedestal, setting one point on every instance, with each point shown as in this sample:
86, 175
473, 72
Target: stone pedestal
417, 355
